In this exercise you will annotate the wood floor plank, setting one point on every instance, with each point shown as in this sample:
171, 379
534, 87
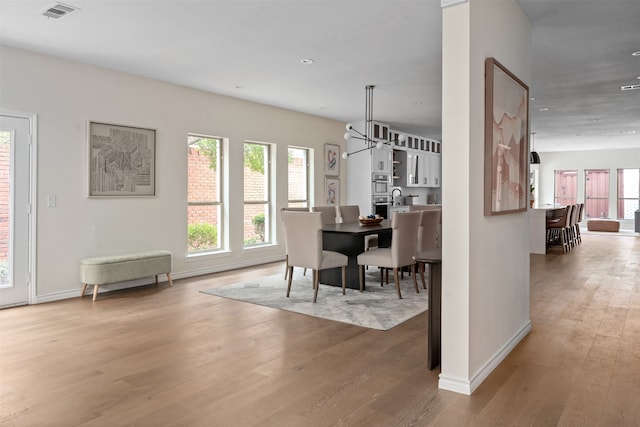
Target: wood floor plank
173, 356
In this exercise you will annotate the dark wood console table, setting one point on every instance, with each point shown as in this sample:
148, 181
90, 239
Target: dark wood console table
434, 339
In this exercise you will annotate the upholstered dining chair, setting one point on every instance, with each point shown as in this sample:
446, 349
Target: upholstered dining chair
437, 208
404, 242
351, 213
329, 213
427, 236
303, 235
286, 252
348, 213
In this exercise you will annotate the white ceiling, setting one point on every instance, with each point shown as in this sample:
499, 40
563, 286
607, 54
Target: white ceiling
252, 50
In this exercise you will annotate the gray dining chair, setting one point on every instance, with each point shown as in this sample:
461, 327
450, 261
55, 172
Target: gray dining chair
286, 251
329, 213
404, 242
348, 213
351, 213
303, 235
427, 236
437, 208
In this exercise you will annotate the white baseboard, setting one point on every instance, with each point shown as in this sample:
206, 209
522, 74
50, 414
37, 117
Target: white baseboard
75, 292
464, 386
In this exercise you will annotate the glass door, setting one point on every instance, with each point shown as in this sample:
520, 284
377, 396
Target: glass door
596, 191
15, 213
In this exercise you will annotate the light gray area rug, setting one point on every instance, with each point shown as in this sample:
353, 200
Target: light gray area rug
376, 308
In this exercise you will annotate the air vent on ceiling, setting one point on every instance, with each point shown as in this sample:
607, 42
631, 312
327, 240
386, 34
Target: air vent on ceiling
629, 87
58, 10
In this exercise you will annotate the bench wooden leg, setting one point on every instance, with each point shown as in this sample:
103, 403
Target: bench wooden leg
95, 291
169, 278
84, 288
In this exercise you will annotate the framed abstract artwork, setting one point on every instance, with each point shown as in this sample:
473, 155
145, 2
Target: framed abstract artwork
121, 160
506, 141
332, 191
331, 159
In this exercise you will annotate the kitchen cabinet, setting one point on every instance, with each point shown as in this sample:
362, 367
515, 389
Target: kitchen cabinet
430, 170
418, 169
381, 160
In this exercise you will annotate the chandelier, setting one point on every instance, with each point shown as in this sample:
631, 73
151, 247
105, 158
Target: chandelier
367, 135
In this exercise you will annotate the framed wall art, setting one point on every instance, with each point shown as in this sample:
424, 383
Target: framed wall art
331, 159
121, 160
506, 141
332, 191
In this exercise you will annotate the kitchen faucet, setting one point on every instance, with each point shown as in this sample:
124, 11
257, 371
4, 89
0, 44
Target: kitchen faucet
392, 197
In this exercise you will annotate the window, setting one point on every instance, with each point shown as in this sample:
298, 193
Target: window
596, 191
628, 192
298, 173
566, 187
204, 193
257, 194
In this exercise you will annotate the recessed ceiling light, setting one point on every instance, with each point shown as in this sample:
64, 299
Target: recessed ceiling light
543, 109
637, 53
629, 87
306, 61
532, 98
417, 103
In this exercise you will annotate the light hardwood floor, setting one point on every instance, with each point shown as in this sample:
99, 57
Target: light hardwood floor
171, 356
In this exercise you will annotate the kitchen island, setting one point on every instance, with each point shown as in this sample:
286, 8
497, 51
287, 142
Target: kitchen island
538, 226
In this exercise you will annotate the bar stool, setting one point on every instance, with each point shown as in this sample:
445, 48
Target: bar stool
557, 229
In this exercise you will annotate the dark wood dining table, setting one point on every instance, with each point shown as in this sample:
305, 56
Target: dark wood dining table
433, 257
348, 238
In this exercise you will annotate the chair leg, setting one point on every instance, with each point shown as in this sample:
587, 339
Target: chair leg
286, 266
381, 276
397, 280
95, 292
290, 269
415, 279
361, 274
424, 284
344, 278
316, 285
84, 288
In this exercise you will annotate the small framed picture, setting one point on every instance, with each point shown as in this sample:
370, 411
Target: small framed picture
121, 160
331, 159
332, 191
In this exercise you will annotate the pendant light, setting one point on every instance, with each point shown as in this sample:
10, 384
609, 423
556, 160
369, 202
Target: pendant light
367, 136
534, 157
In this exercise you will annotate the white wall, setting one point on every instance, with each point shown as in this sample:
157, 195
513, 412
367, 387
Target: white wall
485, 259
581, 160
65, 95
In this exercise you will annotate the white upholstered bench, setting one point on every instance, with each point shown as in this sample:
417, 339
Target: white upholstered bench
120, 268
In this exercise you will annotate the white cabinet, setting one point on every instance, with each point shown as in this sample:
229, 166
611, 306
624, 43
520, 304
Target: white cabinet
381, 160
422, 169
431, 166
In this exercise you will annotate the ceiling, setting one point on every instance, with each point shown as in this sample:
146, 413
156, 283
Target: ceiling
582, 55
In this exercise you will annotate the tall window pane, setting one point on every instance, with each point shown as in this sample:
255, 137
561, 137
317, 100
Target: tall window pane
596, 190
298, 172
628, 193
5, 208
566, 187
204, 196
257, 195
